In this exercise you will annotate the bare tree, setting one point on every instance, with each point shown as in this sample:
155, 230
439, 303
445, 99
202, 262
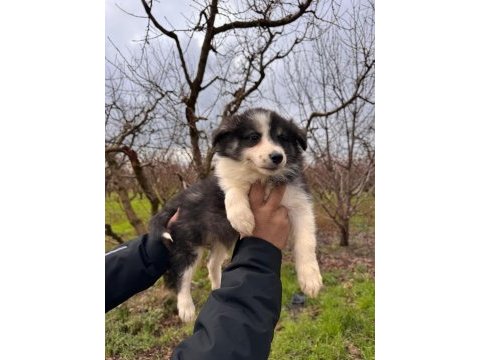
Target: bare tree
128, 118
331, 83
222, 52
160, 101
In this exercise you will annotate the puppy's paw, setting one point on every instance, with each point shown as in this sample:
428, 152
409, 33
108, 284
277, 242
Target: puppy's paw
310, 279
241, 220
186, 310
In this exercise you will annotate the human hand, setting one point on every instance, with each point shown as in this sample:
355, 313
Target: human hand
271, 219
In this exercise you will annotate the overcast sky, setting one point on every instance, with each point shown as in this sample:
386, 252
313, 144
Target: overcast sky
127, 33
124, 29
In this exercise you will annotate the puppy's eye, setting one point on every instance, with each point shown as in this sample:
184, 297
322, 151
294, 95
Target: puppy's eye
254, 137
282, 137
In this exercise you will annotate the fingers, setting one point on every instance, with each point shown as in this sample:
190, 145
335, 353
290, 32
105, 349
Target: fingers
276, 196
282, 211
256, 195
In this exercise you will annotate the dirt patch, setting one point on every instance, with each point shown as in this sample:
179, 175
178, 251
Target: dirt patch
353, 351
360, 253
154, 297
155, 353
162, 353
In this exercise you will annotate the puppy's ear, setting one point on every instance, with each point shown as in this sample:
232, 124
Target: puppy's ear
300, 135
224, 129
219, 134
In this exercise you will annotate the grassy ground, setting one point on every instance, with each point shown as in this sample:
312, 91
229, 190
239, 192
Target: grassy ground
115, 216
338, 324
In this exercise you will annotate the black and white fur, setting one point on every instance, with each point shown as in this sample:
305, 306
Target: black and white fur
256, 145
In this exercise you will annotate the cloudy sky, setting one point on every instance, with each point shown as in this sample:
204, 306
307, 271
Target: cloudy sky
125, 27
125, 30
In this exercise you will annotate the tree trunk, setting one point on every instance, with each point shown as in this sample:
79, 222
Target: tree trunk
345, 233
195, 143
196, 88
132, 217
143, 180
122, 192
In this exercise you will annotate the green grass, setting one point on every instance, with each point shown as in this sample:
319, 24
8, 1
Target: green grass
115, 216
338, 324
149, 321
129, 333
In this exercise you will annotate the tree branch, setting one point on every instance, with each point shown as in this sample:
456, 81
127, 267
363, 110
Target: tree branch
170, 34
109, 232
265, 23
355, 95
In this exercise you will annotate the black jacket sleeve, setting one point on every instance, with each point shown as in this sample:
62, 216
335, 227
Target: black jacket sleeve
131, 268
238, 319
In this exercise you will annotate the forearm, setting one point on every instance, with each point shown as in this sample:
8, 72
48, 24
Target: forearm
129, 270
238, 319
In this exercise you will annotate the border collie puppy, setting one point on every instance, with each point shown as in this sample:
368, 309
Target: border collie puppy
256, 145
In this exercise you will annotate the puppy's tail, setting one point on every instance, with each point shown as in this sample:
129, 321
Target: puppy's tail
158, 232
158, 226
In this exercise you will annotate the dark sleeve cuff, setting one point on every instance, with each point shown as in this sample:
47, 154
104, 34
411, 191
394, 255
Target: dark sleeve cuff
238, 319
131, 268
156, 256
258, 251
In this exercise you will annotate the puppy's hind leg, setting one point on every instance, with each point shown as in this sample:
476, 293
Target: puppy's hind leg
217, 255
304, 246
185, 306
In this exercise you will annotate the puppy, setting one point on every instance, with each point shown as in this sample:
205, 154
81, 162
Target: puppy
256, 145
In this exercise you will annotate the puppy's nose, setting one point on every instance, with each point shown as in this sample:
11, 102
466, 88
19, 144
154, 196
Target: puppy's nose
276, 157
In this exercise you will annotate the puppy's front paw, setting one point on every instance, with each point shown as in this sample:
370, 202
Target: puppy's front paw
310, 279
186, 310
242, 220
